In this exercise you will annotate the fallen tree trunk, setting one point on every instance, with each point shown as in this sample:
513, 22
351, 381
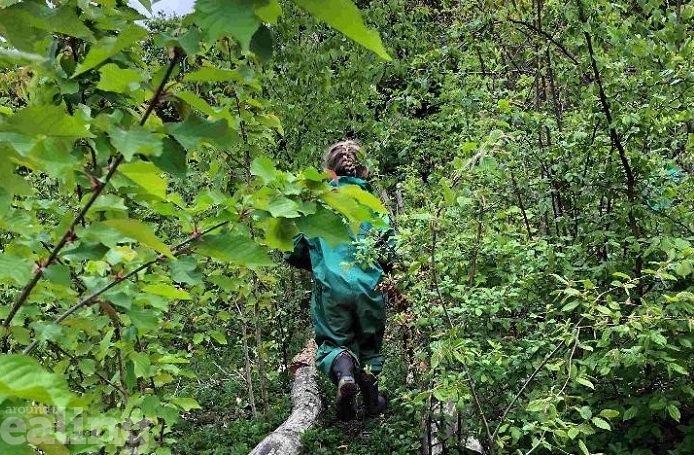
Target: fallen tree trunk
306, 407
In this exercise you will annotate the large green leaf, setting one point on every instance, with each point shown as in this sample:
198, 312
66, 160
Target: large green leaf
236, 247
15, 269
325, 224
136, 140
47, 121
279, 233
194, 131
344, 16
147, 176
234, 18
363, 197
23, 377
141, 232
110, 46
116, 79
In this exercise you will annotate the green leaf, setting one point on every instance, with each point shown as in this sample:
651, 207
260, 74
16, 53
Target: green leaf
46, 121
146, 176
583, 381
261, 43
582, 446
15, 269
601, 423
194, 131
630, 413
22, 376
136, 140
347, 206
674, 412
166, 290
363, 197
183, 270
609, 413
344, 16
234, 18
141, 364
236, 247
219, 337
141, 232
279, 234
119, 80
144, 319
109, 46
270, 12
185, 403
264, 168
172, 159
325, 224
282, 207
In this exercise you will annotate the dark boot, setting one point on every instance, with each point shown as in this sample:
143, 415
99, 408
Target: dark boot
374, 402
342, 371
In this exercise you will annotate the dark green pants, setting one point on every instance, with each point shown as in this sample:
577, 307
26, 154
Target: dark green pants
348, 321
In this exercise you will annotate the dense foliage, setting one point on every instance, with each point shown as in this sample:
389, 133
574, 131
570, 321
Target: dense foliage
535, 157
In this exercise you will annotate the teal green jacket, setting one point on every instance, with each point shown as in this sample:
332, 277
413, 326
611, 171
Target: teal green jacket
334, 266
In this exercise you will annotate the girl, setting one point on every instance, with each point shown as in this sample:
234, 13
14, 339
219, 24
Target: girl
348, 312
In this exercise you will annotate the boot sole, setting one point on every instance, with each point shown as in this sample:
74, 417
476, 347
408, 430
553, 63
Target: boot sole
347, 390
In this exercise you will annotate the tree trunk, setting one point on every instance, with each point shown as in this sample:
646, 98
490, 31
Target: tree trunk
306, 407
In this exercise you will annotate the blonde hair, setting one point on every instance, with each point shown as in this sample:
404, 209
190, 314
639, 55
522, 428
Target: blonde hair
342, 158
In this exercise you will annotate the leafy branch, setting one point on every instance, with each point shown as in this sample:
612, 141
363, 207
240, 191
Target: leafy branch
69, 232
177, 251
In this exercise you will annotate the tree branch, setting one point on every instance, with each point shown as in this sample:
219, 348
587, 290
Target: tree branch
177, 250
69, 232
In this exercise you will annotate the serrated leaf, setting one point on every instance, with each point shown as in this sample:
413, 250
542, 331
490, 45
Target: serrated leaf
141, 364
601, 423
583, 381
185, 403
363, 197
674, 412
141, 232
22, 376
582, 446
15, 269
194, 131
234, 247
46, 121
326, 225
109, 46
136, 140
166, 290
344, 16
147, 176
264, 168
119, 80
233, 18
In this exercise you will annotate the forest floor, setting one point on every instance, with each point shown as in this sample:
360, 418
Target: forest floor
225, 424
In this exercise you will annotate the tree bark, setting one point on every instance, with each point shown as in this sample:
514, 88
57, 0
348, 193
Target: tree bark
306, 407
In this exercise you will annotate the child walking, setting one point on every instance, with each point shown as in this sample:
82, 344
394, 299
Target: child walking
348, 312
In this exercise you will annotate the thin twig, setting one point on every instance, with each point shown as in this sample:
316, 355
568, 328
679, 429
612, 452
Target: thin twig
178, 249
